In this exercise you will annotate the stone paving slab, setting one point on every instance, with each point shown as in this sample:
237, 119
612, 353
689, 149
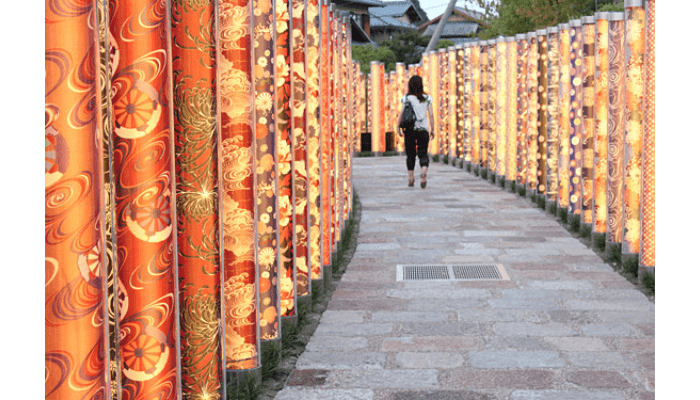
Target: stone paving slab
566, 326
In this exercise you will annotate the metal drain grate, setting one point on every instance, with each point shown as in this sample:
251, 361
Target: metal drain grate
448, 272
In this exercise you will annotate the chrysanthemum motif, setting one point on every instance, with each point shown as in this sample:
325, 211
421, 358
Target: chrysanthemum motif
137, 112
144, 357
154, 217
267, 256
263, 102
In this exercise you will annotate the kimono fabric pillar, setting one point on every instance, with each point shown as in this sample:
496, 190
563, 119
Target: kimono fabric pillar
512, 128
600, 146
401, 85
564, 110
501, 108
616, 131
491, 108
285, 164
542, 114
144, 200
238, 200
444, 137
634, 130
464, 56
531, 179
75, 318
326, 246
452, 101
552, 153
197, 192
376, 105
587, 144
521, 109
313, 140
266, 172
647, 250
575, 119
300, 181
434, 92
476, 105
484, 82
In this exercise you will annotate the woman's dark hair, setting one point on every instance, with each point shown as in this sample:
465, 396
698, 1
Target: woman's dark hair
415, 87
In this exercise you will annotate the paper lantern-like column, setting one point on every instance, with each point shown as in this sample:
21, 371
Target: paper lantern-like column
196, 168
476, 103
647, 250
600, 146
144, 196
313, 131
392, 110
326, 104
401, 85
434, 92
443, 137
553, 80
576, 118
533, 100
286, 276
634, 127
587, 144
521, 108
512, 132
300, 181
452, 102
376, 104
484, 105
492, 100
499, 168
76, 362
564, 110
542, 113
616, 130
467, 97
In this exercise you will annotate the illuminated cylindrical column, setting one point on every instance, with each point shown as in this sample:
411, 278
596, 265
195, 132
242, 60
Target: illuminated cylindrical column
452, 101
362, 94
553, 79
144, 198
345, 156
443, 137
542, 124
564, 110
376, 104
196, 168
647, 249
399, 91
634, 127
575, 118
76, 362
300, 181
392, 111
492, 100
434, 92
484, 105
521, 108
616, 130
325, 138
286, 276
313, 132
512, 132
466, 98
476, 104
587, 144
501, 107
533, 107
600, 146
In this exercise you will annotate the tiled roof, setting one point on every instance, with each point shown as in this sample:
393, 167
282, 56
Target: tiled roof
391, 9
371, 3
453, 28
376, 21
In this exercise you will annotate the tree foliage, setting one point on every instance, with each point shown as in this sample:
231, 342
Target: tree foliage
367, 53
510, 17
407, 46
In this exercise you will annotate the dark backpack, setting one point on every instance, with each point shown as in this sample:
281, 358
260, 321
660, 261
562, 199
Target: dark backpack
408, 117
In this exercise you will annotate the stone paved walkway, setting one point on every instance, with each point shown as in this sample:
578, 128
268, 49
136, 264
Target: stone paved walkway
565, 326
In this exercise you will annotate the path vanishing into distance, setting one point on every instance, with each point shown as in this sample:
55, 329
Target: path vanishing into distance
559, 323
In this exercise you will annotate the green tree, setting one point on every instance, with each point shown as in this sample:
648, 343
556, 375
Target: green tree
407, 46
367, 53
509, 17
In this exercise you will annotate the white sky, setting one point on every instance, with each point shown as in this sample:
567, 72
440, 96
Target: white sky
435, 8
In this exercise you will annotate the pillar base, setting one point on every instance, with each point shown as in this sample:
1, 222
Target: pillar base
598, 237
271, 352
613, 249
317, 287
511, 186
242, 381
290, 322
643, 270
551, 206
327, 276
304, 303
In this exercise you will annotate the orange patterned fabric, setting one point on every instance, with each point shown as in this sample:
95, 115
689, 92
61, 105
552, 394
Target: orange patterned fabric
74, 299
647, 253
196, 143
600, 169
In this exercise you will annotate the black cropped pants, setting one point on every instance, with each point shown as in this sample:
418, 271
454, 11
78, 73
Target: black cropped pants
416, 144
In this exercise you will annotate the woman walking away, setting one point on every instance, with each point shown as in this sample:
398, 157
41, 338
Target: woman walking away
416, 139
